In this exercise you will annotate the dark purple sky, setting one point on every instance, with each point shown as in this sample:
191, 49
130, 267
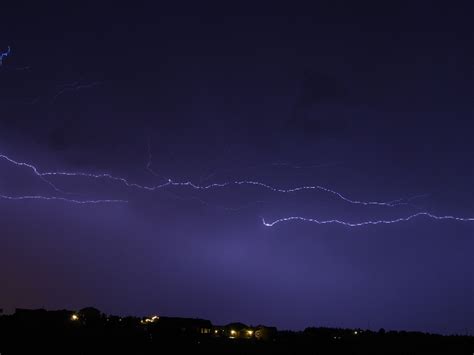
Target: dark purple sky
373, 102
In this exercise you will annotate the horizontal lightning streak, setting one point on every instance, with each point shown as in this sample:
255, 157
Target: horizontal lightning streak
222, 185
365, 223
54, 198
190, 184
195, 186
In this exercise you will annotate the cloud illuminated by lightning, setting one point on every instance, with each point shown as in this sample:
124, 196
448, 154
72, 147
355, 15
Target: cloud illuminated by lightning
365, 223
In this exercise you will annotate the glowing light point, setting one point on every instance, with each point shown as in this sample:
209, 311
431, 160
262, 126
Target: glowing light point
152, 319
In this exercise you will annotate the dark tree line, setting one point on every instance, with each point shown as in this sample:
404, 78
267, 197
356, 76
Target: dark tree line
89, 331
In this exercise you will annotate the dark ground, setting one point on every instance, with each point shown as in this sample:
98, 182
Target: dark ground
40, 331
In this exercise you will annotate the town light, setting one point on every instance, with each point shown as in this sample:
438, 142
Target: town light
150, 320
249, 332
75, 317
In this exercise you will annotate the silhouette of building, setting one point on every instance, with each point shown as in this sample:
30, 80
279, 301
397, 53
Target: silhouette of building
178, 326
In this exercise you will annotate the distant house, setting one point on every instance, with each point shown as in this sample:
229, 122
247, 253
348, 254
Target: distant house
265, 333
238, 331
243, 331
234, 331
179, 326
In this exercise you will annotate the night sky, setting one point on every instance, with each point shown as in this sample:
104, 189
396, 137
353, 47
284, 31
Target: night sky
372, 102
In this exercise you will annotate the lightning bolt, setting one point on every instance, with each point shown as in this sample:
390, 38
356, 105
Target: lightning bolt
48, 198
33, 168
54, 198
365, 223
4, 55
190, 184
194, 186
223, 185
193, 198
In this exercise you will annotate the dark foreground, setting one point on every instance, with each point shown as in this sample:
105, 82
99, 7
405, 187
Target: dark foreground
91, 332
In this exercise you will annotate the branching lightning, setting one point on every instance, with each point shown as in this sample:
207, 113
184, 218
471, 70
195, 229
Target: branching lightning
33, 168
189, 184
48, 198
222, 185
194, 186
